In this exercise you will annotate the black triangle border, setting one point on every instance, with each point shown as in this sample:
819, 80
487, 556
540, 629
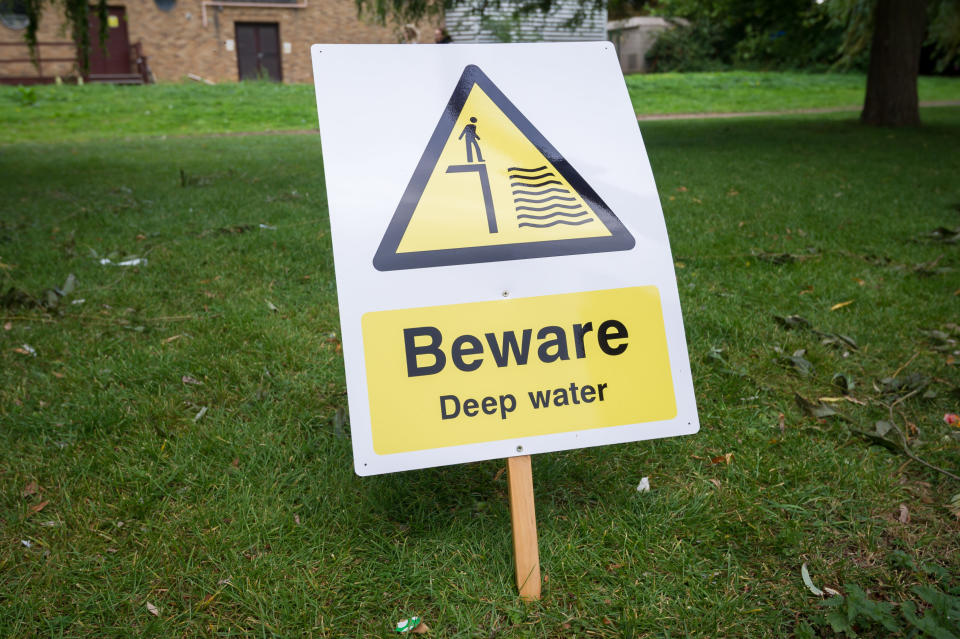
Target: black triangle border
388, 259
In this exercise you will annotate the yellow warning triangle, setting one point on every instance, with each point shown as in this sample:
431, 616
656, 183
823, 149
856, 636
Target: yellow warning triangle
489, 187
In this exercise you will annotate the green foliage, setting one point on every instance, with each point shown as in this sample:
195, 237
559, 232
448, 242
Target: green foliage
686, 48
934, 614
402, 11
846, 613
746, 34
27, 96
944, 33
855, 17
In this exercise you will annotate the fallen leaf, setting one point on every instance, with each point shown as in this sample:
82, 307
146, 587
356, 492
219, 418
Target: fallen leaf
26, 349
722, 459
715, 482
8, 326
904, 516
272, 307
830, 591
38, 507
152, 609
843, 381
200, 414
800, 364
682, 189
782, 423
30, 490
421, 629
58, 375
813, 409
836, 340
805, 575
882, 428
172, 338
954, 506
733, 192
792, 322
296, 519
841, 305
187, 379
236, 462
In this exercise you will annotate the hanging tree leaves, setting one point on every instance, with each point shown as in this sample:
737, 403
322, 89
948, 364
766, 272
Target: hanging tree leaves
77, 14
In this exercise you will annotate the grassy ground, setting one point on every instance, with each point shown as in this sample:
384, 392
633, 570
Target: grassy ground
67, 113
174, 445
739, 91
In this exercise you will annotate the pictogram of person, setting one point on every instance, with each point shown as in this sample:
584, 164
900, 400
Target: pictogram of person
470, 131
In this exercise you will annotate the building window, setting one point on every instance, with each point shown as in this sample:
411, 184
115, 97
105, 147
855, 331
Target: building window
13, 14
165, 5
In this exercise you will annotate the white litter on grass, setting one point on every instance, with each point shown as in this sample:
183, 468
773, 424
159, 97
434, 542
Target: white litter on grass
29, 350
644, 485
805, 575
135, 261
26, 544
199, 416
267, 227
78, 302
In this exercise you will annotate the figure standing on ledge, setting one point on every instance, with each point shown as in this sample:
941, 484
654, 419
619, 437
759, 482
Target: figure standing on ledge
470, 131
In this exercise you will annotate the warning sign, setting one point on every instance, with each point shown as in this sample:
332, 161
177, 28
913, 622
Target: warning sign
491, 187
489, 371
504, 276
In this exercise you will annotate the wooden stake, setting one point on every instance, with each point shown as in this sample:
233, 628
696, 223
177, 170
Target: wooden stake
526, 554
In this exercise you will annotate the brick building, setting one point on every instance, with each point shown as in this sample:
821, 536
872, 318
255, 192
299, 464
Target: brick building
218, 40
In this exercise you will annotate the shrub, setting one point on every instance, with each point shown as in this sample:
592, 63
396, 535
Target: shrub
692, 47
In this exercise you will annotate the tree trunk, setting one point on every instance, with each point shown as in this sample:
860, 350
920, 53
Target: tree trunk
894, 64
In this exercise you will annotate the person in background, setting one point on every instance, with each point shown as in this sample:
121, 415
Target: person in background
441, 36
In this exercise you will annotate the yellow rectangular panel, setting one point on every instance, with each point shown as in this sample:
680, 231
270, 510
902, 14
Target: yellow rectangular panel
489, 371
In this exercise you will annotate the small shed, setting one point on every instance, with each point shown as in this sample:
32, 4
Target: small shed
633, 37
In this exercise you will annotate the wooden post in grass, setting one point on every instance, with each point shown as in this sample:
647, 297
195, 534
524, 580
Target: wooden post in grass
526, 554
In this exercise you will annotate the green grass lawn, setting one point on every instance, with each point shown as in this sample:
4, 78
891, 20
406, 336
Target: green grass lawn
178, 438
67, 113
745, 91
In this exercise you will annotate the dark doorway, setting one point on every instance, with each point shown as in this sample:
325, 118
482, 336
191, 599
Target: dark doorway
258, 51
116, 59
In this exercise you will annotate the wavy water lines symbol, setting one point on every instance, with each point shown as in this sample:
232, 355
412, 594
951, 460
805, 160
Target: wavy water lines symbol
550, 203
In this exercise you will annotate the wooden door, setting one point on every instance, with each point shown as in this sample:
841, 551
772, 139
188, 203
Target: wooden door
116, 59
258, 51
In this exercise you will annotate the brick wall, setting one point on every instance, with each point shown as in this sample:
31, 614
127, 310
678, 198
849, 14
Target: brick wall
12, 46
177, 42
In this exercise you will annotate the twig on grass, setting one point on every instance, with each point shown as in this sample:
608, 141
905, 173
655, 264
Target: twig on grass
903, 438
899, 370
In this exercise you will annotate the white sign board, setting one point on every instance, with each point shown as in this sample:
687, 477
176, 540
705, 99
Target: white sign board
504, 275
